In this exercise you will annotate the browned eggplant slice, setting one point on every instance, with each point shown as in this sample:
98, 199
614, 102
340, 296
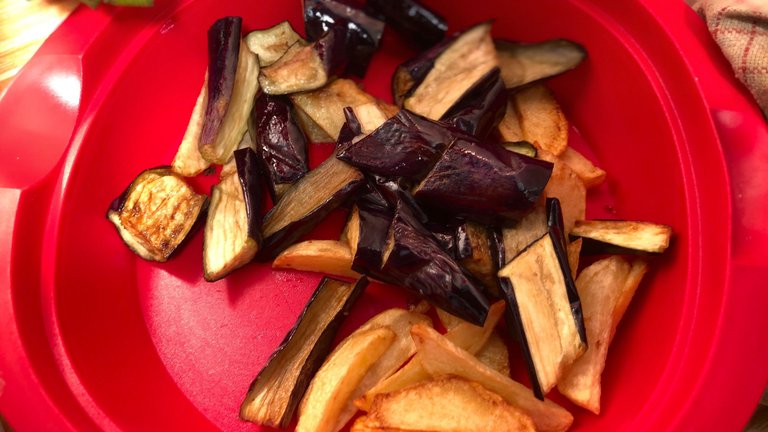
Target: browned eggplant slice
270, 44
622, 237
217, 145
473, 251
482, 182
524, 63
232, 234
360, 31
524, 232
156, 213
307, 203
481, 108
410, 74
188, 160
312, 130
406, 145
458, 67
545, 307
277, 390
372, 226
417, 23
231, 166
305, 67
280, 143
326, 105
370, 116
414, 259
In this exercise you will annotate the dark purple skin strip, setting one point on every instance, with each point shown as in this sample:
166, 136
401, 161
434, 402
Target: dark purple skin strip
406, 145
374, 226
361, 33
416, 22
331, 48
250, 180
481, 108
417, 262
471, 182
280, 142
223, 53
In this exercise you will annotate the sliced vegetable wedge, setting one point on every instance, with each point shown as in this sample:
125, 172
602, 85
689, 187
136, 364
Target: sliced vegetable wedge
270, 44
524, 63
617, 236
323, 256
188, 160
276, 391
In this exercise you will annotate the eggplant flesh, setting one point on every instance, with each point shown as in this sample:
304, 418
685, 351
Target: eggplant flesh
410, 74
218, 149
415, 260
325, 106
543, 300
406, 145
270, 44
416, 22
360, 31
305, 67
481, 108
524, 63
281, 144
156, 213
276, 391
461, 64
473, 250
524, 232
232, 230
307, 203
622, 237
482, 182
188, 160
223, 59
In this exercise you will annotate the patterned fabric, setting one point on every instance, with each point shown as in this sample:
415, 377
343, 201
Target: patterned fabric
740, 27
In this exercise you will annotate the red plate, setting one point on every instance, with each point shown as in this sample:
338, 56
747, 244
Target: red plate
95, 338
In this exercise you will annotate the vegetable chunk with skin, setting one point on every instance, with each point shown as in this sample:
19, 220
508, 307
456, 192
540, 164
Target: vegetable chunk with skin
232, 230
524, 63
441, 357
323, 256
605, 288
325, 106
270, 44
188, 160
446, 404
277, 390
156, 213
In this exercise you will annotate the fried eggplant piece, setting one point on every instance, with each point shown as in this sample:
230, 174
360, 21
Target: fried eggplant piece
277, 390
622, 237
156, 213
524, 63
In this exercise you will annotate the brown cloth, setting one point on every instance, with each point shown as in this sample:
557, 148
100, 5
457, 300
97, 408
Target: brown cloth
740, 27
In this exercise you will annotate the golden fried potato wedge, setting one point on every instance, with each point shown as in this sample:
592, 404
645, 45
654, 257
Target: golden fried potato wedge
583, 167
565, 185
323, 256
605, 289
402, 348
466, 335
337, 378
510, 128
619, 236
542, 121
446, 404
441, 357
495, 354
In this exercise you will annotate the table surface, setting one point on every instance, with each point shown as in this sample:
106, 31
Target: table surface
24, 26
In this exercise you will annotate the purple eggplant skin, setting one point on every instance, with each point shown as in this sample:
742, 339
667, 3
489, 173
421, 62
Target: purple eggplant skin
475, 181
360, 32
350, 130
331, 49
372, 240
322, 346
417, 262
394, 190
445, 234
512, 318
223, 52
462, 242
250, 180
416, 22
406, 145
280, 142
481, 108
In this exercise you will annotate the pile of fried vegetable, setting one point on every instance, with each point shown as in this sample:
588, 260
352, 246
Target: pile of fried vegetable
465, 193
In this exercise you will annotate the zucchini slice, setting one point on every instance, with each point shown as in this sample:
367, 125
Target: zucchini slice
277, 390
156, 213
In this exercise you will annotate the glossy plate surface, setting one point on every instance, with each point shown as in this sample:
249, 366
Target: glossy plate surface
95, 338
